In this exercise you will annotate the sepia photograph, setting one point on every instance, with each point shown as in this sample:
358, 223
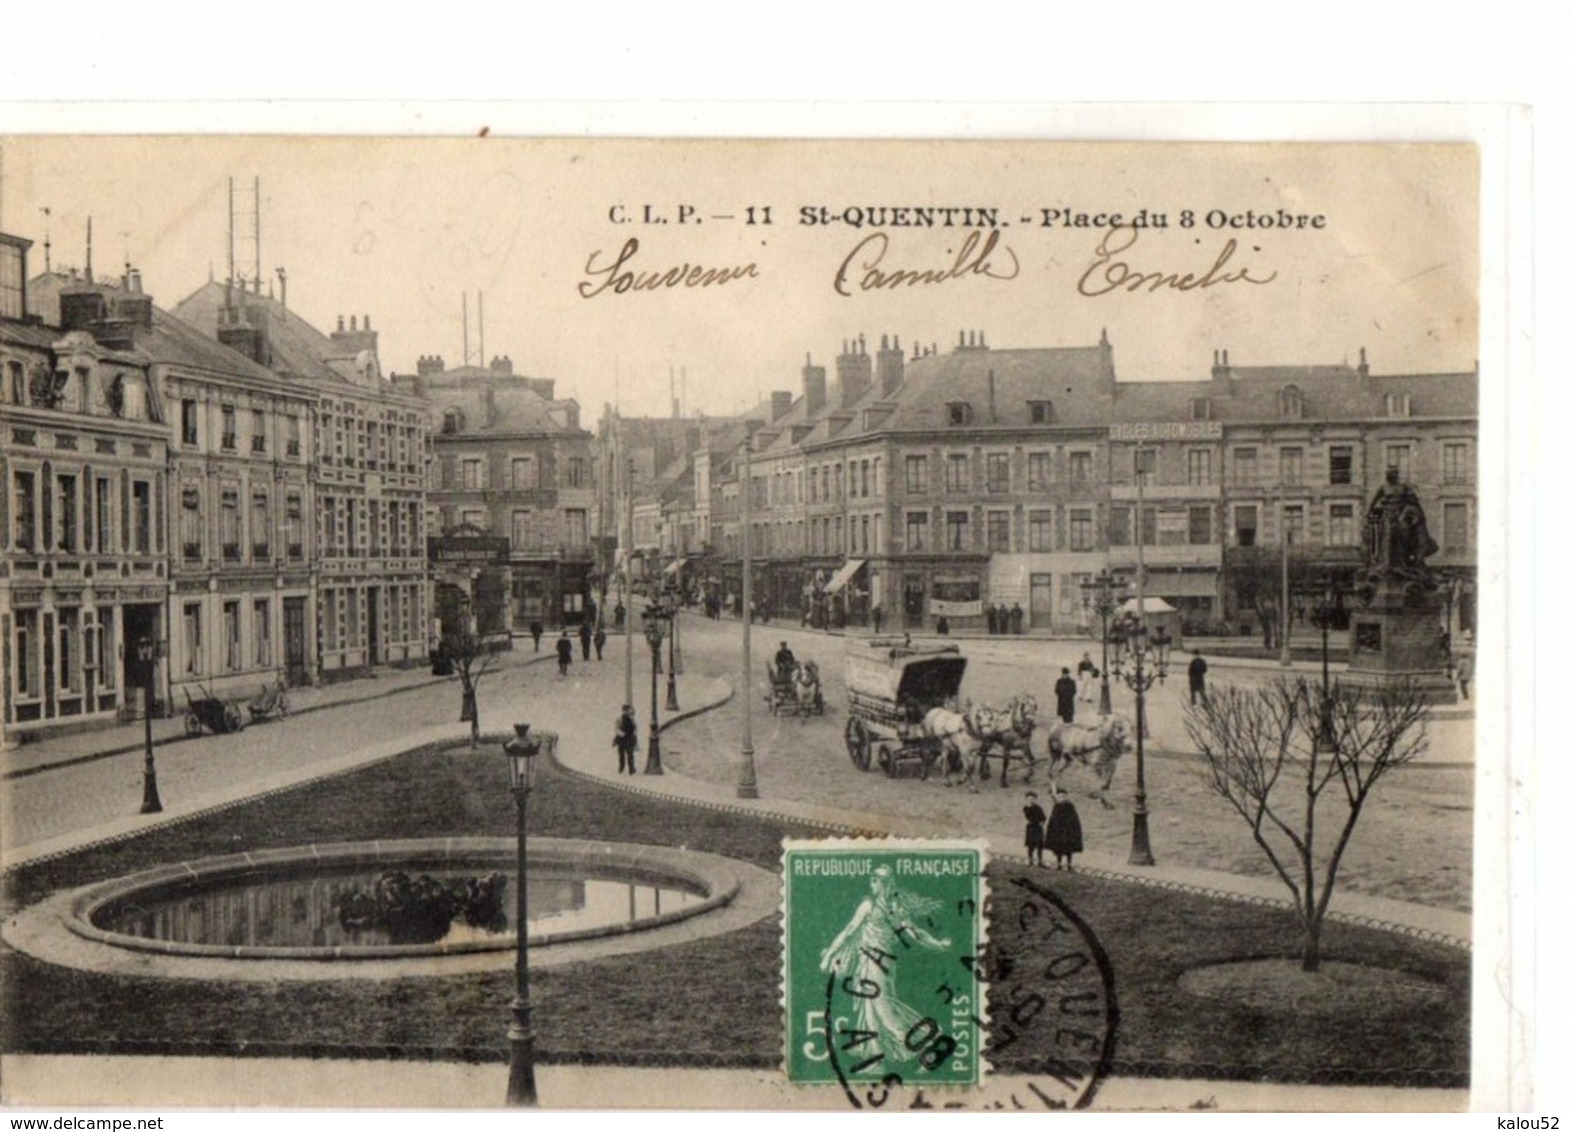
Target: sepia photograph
673, 623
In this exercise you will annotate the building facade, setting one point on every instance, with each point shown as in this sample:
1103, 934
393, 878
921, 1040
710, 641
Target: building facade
83, 549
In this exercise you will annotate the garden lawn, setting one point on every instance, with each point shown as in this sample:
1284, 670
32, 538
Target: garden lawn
708, 1002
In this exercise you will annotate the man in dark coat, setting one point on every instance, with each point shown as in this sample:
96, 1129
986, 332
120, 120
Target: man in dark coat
1035, 830
1064, 835
1017, 620
877, 619
626, 741
563, 652
1196, 678
992, 618
1065, 690
585, 637
599, 642
536, 630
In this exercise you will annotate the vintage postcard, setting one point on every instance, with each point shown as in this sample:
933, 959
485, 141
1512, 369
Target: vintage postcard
977, 625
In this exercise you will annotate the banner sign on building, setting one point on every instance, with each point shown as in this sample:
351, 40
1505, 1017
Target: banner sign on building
955, 608
475, 550
1168, 430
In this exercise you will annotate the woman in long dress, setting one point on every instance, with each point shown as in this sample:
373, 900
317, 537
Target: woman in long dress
867, 950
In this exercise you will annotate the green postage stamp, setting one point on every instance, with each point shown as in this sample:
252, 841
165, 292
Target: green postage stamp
883, 949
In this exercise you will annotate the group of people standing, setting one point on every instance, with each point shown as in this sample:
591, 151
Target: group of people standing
1003, 621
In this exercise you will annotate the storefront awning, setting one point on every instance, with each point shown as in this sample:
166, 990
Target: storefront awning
844, 574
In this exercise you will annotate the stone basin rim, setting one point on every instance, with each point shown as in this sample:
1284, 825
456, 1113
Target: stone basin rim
708, 874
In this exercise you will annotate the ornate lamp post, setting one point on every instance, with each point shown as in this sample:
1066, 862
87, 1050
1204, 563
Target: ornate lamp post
656, 624
147, 651
747, 779
522, 755
672, 610
1102, 600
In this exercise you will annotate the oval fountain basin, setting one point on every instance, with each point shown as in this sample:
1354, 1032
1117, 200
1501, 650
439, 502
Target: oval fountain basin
378, 900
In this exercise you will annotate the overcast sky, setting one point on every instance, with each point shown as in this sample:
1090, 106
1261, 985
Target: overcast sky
402, 229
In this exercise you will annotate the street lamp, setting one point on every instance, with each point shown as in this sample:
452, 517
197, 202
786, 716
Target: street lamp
672, 610
147, 660
522, 755
1327, 610
656, 624
747, 776
1103, 602
1140, 648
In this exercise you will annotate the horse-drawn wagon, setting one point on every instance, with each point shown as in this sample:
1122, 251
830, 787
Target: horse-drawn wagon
795, 690
891, 688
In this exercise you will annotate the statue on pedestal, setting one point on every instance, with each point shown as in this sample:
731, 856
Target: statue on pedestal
1396, 542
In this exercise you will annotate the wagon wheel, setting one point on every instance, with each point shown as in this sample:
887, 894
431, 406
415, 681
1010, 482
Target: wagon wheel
858, 742
234, 719
193, 726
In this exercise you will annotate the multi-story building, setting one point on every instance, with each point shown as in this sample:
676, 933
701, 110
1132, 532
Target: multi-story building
239, 505
83, 489
510, 461
368, 475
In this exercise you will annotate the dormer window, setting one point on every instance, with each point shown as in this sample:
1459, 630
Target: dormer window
1398, 404
1199, 409
1041, 412
959, 413
1292, 403
452, 421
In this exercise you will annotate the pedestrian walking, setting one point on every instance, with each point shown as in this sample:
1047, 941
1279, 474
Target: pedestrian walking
599, 642
1196, 679
1464, 671
1035, 830
1087, 673
536, 630
1064, 835
1065, 690
877, 619
563, 652
585, 637
626, 741
621, 616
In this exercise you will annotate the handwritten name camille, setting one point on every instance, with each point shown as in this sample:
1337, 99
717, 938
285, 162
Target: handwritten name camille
618, 279
968, 261
1108, 272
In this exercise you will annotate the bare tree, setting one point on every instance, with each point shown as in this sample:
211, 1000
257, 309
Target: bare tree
1268, 747
471, 660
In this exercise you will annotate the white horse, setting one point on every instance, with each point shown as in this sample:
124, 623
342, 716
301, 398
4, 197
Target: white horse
1011, 729
958, 735
1096, 744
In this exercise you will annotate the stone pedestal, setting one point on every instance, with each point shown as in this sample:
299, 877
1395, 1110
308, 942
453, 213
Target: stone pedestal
1398, 635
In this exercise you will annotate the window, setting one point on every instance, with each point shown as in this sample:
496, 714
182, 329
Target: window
232, 660
1292, 523
1119, 533
915, 476
1399, 457
26, 516
70, 655
524, 476
16, 384
474, 517
261, 526
576, 528
258, 431
65, 514
191, 524
142, 505
294, 527
1040, 532
229, 524
1292, 402
1455, 528
1456, 469
188, 433
452, 421
1340, 528
1199, 526
471, 475
26, 647
998, 531
1245, 465
13, 287
959, 413
1081, 534
193, 638
1041, 412
1245, 520
957, 530
522, 529
916, 531
1038, 470
229, 438
1199, 467
575, 472
1398, 404
1340, 463
1199, 409
1079, 468
1292, 466
956, 473
1149, 529
106, 651
292, 435
104, 514
262, 630
998, 473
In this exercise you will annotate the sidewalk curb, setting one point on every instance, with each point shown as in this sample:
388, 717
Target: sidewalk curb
168, 740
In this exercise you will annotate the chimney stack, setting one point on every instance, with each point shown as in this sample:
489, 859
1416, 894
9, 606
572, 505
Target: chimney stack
780, 402
853, 369
814, 386
891, 367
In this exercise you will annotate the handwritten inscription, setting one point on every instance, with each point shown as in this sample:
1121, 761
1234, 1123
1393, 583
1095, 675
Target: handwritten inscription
863, 268
618, 278
1111, 271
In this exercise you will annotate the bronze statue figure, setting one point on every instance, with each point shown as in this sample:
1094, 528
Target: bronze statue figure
1396, 542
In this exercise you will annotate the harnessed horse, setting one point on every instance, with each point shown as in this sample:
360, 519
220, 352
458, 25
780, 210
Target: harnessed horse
959, 735
1105, 739
1011, 730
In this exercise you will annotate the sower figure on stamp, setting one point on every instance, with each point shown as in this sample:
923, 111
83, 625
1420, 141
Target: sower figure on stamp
626, 741
1064, 835
1035, 830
